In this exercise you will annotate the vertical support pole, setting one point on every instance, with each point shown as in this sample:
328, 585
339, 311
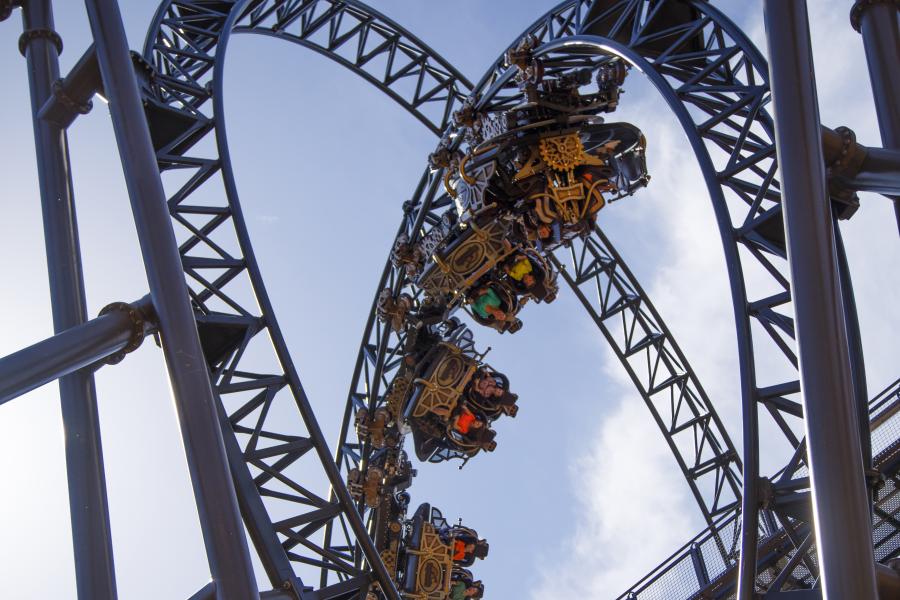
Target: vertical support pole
840, 504
878, 23
88, 506
223, 533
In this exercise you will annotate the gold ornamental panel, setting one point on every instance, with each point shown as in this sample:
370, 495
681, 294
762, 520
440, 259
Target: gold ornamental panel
562, 152
474, 256
442, 388
467, 257
450, 371
435, 566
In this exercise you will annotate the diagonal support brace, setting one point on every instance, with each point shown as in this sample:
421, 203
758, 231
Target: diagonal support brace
119, 329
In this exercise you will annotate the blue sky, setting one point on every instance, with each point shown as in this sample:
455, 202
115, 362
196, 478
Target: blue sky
581, 497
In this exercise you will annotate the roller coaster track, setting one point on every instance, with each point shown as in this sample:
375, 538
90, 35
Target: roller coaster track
274, 430
715, 82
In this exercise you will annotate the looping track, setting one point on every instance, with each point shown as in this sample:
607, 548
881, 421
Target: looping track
713, 79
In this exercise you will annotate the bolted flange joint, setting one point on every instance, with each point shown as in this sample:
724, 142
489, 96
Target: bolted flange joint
861, 5
844, 158
36, 34
138, 328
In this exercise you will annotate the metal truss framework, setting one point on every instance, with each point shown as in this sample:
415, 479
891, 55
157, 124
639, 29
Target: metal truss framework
714, 80
262, 401
716, 83
290, 488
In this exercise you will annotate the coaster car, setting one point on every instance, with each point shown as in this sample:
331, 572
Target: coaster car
382, 427
452, 401
428, 565
468, 254
434, 554
550, 162
557, 179
486, 266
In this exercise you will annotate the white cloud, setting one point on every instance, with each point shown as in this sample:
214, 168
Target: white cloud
634, 513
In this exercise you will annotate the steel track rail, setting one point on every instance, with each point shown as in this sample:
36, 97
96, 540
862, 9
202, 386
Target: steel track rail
717, 83
271, 456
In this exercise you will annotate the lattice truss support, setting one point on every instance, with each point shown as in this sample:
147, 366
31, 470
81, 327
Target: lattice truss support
287, 483
289, 488
716, 81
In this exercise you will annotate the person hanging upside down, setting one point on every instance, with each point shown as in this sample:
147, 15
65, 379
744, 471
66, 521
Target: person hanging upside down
466, 422
487, 304
460, 590
462, 550
521, 269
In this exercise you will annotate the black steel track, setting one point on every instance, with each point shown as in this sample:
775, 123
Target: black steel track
186, 44
714, 80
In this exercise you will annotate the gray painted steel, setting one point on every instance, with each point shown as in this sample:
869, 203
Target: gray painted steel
223, 532
66, 353
879, 23
842, 522
88, 505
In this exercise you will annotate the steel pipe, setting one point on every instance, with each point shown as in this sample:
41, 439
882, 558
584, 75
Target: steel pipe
88, 506
840, 502
878, 23
223, 532
74, 349
72, 96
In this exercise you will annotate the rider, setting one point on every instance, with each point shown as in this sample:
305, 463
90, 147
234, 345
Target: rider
464, 586
520, 269
463, 550
466, 422
460, 590
485, 387
487, 304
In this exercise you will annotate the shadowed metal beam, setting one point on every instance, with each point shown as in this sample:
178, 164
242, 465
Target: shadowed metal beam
75, 348
88, 505
223, 533
840, 502
878, 23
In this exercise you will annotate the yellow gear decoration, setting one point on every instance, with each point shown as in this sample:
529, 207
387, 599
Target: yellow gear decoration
562, 152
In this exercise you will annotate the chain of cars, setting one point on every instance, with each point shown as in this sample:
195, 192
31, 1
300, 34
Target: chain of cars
525, 180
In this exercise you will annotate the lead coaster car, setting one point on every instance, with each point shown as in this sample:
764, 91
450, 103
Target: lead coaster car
556, 180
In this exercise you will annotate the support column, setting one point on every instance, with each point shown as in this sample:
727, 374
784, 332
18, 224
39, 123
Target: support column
88, 506
877, 20
840, 502
223, 532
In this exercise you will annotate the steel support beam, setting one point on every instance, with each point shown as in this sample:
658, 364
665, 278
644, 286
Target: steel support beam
223, 532
842, 525
67, 352
72, 96
878, 23
88, 504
